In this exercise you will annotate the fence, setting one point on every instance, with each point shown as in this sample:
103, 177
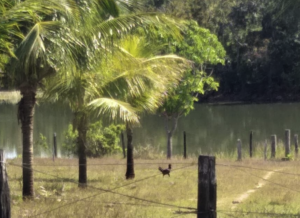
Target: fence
207, 192
273, 145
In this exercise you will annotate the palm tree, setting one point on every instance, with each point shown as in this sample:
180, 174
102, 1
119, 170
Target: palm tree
48, 36
105, 32
151, 75
38, 27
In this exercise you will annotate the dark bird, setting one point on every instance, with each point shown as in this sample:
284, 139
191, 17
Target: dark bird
165, 171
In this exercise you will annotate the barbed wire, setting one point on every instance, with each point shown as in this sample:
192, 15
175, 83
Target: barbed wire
104, 202
161, 163
261, 169
112, 164
159, 204
274, 183
107, 190
260, 213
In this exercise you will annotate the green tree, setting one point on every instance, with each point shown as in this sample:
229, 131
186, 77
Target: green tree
37, 28
105, 31
57, 36
148, 77
100, 140
204, 49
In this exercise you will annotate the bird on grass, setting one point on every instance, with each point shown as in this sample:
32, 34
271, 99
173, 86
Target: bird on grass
165, 171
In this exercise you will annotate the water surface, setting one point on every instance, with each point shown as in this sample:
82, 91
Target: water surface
209, 128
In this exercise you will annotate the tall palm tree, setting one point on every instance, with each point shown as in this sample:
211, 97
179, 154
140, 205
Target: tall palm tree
37, 42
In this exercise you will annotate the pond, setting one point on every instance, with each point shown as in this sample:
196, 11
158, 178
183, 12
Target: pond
209, 128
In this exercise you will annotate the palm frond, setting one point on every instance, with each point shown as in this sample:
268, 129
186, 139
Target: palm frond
115, 109
123, 24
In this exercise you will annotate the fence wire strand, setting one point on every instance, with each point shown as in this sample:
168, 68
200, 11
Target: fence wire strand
108, 191
159, 204
261, 169
265, 179
260, 213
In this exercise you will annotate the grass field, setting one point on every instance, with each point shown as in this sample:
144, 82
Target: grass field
258, 188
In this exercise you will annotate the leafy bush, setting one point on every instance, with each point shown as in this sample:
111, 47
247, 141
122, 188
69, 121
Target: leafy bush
100, 140
41, 144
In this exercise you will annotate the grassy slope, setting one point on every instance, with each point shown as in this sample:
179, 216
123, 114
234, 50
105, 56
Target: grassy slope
179, 189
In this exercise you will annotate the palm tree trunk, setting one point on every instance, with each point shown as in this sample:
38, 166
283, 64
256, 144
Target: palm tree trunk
81, 143
130, 164
25, 115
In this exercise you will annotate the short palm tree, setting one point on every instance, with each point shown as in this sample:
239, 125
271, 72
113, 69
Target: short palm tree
100, 37
143, 82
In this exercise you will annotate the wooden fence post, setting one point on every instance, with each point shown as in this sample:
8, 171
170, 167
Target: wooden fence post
4, 189
287, 142
207, 187
296, 145
239, 149
250, 143
184, 144
54, 147
265, 150
273, 146
123, 144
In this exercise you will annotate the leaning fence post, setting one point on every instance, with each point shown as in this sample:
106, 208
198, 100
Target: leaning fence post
239, 149
207, 187
184, 145
4, 189
54, 147
296, 144
250, 143
287, 142
273, 146
123, 144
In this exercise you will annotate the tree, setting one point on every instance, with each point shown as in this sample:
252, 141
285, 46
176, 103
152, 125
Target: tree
204, 49
151, 75
37, 41
106, 32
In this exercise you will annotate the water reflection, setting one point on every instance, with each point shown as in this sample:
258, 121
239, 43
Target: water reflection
209, 128
48, 118
215, 128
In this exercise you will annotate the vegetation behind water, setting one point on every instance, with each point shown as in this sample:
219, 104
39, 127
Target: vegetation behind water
261, 39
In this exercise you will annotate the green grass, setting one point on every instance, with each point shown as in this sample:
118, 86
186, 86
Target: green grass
60, 194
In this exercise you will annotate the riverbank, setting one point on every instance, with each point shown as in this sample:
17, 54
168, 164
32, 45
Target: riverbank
152, 195
220, 99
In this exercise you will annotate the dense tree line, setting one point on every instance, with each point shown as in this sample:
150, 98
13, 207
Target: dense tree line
261, 39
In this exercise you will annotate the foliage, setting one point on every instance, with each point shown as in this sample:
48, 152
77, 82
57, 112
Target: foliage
41, 142
261, 39
100, 140
69, 144
204, 49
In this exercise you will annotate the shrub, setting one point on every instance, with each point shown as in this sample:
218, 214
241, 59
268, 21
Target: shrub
100, 140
